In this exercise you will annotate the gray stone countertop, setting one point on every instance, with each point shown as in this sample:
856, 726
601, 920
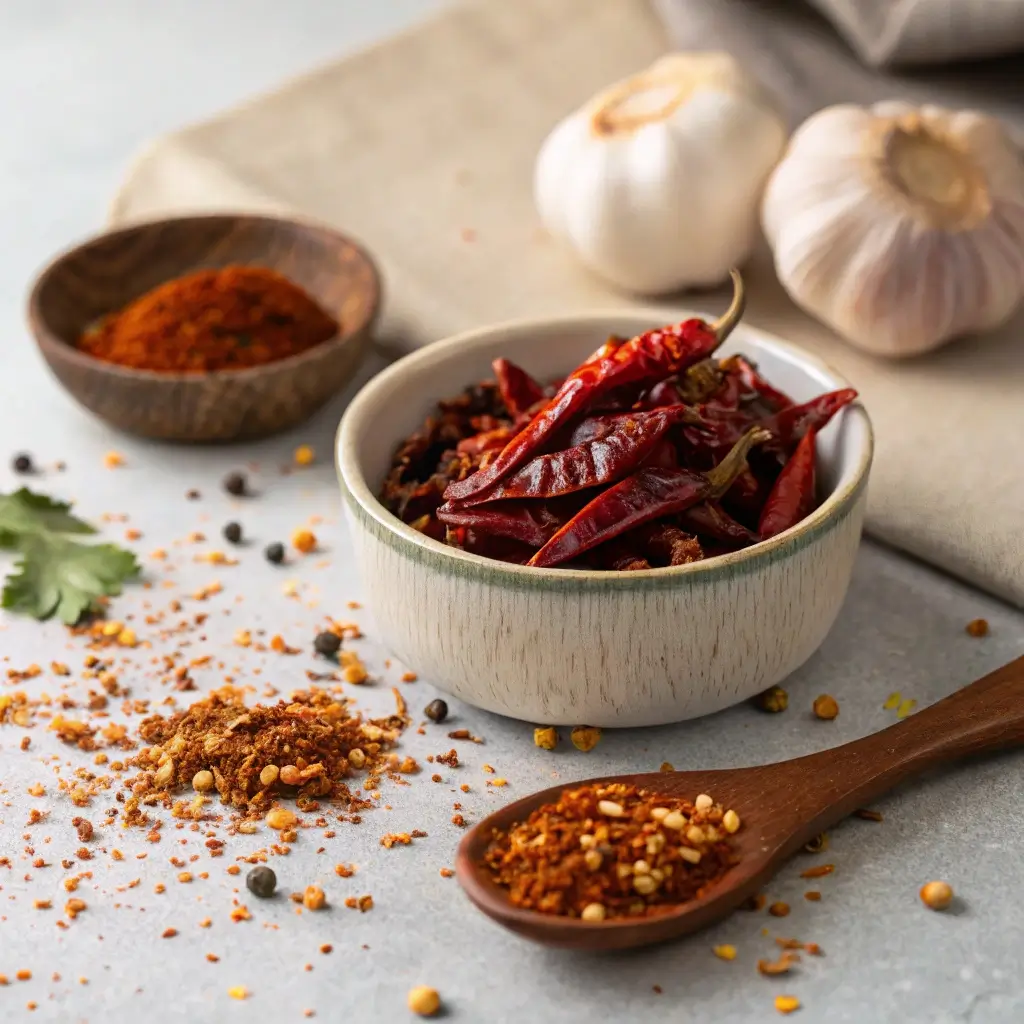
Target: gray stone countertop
83, 85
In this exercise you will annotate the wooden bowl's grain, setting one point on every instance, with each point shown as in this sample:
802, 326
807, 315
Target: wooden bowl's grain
109, 271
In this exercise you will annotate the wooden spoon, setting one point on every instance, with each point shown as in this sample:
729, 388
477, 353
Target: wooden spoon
782, 806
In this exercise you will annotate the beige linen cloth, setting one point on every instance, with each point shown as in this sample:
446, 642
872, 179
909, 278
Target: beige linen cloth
424, 146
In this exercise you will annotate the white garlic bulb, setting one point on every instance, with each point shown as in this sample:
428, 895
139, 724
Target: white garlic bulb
899, 227
656, 182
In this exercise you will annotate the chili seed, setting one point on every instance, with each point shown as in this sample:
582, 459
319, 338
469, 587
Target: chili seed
936, 895
202, 781
674, 820
233, 533
977, 627
235, 483
304, 541
724, 952
825, 707
610, 809
281, 818
274, 553
327, 643
593, 912
269, 774
703, 802
22, 463
261, 882
731, 821
772, 700
779, 909
787, 1004
436, 710
424, 1001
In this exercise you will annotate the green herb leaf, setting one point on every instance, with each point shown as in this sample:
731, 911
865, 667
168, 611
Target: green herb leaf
24, 512
57, 576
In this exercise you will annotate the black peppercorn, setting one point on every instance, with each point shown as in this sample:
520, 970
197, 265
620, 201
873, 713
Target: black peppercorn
274, 553
22, 463
234, 483
436, 710
233, 533
327, 643
261, 882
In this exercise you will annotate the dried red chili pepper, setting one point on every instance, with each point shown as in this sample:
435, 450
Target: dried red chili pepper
646, 495
747, 373
486, 440
602, 460
646, 358
709, 519
519, 391
532, 523
792, 497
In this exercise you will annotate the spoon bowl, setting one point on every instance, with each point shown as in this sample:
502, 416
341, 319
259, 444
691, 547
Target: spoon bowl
781, 807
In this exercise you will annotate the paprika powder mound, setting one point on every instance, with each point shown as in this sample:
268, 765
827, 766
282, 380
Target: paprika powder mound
611, 851
231, 318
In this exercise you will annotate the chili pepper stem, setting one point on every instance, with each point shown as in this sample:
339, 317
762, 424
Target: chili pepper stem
722, 476
724, 325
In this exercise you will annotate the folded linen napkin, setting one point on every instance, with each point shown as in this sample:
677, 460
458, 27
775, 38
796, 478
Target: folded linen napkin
424, 148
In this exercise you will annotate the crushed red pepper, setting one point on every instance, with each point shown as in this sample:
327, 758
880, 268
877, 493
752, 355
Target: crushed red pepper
227, 319
607, 851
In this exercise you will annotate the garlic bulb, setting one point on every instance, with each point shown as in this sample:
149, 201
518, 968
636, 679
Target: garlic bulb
900, 228
656, 182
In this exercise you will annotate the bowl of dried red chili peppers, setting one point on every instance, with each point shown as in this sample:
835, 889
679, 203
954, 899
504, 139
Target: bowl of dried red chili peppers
604, 519
206, 328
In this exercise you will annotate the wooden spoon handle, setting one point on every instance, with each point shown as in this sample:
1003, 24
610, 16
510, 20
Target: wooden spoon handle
981, 718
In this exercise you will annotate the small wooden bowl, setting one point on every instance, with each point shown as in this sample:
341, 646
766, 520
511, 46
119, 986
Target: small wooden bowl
107, 272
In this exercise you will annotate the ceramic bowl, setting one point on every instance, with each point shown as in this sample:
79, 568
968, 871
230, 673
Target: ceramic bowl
568, 647
107, 272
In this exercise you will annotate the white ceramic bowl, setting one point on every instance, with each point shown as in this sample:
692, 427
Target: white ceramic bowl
568, 647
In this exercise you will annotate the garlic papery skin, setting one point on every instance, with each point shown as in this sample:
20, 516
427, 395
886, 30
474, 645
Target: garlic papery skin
899, 227
655, 183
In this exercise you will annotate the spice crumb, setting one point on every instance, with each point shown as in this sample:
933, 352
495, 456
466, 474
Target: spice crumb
238, 992
779, 909
977, 628
813, 895
936, 895
725, 952
585, 737
424, 1001
787, 1004
825, 707
867, 814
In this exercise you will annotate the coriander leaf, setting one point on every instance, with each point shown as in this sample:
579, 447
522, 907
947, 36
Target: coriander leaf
24, 512
62, 577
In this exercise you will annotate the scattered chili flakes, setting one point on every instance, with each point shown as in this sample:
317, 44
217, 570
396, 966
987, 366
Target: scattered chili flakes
238, 992
906, 708
725, 952
24, 975
779, 909
787, 1004
451, 759
825, 707
313, 898
112, 460
213, 958
812, 895
781, 966
977, 627
74, 907
344, 870
867, 814
818, 871
169, 933
545, 737
447, 873
409, 677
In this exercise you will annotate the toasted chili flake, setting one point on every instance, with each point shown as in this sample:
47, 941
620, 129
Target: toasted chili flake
24, 975
779, 909
213, 958
756, 902
867, 814
724, 952
205, 923
43, 904
326, 948
240, 913
447, 873
74, 907
113, 459
789, 943
344, 870
772, 700
787, 1004
813, 895
313, 898
906, 708
780, 966
169, 933
819, 871
813, 949
238, 992
977, 628
304, 455
409, 677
